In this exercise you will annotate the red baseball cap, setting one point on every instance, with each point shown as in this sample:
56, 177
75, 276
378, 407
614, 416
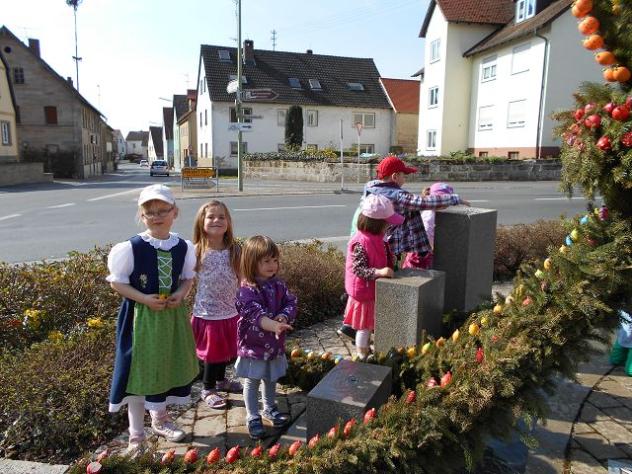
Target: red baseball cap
392, 164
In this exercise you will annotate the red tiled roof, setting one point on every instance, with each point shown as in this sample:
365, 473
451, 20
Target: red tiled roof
490, 12
514, 31
403, 93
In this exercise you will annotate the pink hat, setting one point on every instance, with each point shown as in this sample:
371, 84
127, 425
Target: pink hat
380, 207
441, 188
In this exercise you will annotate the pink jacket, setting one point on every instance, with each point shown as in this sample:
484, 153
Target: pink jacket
356, 287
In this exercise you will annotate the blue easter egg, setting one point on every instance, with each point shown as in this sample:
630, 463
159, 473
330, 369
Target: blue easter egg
584, 220
569, 241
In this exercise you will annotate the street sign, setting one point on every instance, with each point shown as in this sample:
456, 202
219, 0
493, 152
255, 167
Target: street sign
240, 127
259, 94
232, 86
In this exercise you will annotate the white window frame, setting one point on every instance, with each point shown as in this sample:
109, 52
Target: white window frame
311, 118
433, 97
435, 50
314, 84
367, 148
431, 139
485, 123
367, 119
517, 123
281, 114
489, 68
524, 9
520, 51
6, 132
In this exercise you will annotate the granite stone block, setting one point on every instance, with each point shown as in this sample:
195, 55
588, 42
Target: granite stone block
406, 306
464, 249
346, 392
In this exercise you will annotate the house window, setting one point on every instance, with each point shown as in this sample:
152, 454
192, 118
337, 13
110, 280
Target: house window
205, 117
367, 119
50, 115
312, 118
516, 113
233, 148
488, 69
294, 83
367, 148
355, 86
486, 117
246, 113
433, 97
201, 121
281, 114
513, 155
5, 127
201, 150
431, 139
224, 55
524, 9
206, 150
483, 154
315, 84
18, 75
435, 50
520, 58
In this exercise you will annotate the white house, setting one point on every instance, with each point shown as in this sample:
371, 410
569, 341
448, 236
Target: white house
136, 143
167, 134
329, 89
494, 72
119, 143
154, 145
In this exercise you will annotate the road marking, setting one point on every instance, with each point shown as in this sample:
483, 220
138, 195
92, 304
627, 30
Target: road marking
10, 216
59, 206
289, 207
559, 199
108, 196
70, 183
115, 174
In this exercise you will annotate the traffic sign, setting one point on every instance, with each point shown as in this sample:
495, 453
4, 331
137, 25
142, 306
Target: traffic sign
232, 86
240, 127
259, 94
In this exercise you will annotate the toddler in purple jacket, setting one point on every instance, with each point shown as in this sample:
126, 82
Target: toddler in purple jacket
266, 309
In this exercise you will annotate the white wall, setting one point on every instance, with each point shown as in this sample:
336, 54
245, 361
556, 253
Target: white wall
507, 87
267, 134
204, 132
569, 65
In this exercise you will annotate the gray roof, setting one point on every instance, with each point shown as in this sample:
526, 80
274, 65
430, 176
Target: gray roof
272, 69
167, 118
181, 105
156, 138
135, 136
145, 138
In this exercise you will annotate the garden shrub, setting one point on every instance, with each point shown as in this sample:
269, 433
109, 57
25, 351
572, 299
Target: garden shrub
54, 397
523, 243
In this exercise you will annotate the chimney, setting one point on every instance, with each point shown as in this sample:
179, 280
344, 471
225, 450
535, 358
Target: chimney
34, 46
69, 80
309, 51
249, 52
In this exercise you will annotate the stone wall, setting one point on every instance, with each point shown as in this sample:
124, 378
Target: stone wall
12, 174
439, 170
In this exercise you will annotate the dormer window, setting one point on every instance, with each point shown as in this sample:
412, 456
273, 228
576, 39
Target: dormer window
524, 9
355, 86
224, 55
314, 84
294, 83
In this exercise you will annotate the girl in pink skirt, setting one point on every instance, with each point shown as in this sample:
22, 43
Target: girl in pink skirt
214, 314
368, 258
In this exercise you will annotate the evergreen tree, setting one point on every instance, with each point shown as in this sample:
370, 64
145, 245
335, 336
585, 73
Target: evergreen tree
294, 127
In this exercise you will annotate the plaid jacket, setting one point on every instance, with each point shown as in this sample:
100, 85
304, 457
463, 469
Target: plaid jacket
411, 235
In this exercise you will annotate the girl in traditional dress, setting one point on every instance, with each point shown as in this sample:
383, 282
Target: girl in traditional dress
155, 362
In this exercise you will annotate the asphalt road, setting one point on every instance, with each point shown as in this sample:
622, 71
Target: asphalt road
49, 220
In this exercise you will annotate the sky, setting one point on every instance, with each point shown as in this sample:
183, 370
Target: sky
135, 53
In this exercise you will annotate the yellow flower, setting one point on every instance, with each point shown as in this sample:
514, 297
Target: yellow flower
33, 318
95, 323
55, 336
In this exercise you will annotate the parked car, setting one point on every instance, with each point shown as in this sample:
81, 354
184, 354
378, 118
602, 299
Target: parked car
159, 167
144, 163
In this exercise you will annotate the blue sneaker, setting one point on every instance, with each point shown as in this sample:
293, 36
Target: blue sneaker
275, 417
256, 429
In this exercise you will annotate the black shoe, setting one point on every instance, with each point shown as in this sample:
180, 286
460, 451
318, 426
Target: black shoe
348, 332
256, 429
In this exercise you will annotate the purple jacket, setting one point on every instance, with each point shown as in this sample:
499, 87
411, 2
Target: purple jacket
269, 298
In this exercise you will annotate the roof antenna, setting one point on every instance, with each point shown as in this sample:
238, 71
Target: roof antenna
274, 35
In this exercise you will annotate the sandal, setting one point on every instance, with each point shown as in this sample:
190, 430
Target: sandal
214, 400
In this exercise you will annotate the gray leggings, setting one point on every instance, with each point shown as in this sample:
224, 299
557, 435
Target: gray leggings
251, 396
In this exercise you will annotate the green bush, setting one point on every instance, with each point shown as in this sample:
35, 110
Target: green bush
523, 243
54, 397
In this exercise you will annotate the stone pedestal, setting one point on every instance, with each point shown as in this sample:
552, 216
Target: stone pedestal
347, 391
408, 305
464, 249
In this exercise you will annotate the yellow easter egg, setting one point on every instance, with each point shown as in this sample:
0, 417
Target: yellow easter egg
498, 309
474, 329
426, 347
455, 335
547, 264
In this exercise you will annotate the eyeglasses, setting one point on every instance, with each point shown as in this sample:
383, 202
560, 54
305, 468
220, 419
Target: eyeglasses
161, 213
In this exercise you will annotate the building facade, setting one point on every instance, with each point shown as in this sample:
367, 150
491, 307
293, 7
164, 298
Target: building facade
403, 95
8, 129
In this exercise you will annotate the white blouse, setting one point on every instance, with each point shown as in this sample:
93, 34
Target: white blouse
217, 287
121, 257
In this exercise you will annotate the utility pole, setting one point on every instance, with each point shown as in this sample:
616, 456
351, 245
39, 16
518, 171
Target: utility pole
240, 177
75, 4
274, 34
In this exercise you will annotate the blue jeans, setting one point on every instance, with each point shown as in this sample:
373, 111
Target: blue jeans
251, 396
